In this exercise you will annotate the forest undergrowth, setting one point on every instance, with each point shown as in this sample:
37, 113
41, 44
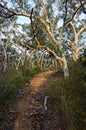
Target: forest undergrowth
68, 97
22, 95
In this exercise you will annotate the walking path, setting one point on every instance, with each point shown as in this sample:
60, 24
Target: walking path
31, 110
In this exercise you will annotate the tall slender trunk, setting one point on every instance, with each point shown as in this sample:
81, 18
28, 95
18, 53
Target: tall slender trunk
5, 58
65, 67
42, 58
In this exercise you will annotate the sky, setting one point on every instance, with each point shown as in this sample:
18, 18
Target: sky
26, 20
23, 20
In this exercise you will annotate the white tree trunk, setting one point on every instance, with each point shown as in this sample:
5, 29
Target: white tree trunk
65, 67
5, 58
75, 55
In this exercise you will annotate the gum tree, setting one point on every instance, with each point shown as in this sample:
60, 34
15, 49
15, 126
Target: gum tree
75, 28
46, 14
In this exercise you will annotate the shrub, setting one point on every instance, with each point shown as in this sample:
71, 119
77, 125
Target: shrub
28, 73
70, 93
10, 83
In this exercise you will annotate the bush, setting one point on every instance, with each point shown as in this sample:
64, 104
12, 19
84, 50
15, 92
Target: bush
70, 93
10, 83
30, 72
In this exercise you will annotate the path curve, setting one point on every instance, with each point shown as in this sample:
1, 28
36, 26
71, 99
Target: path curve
32, 100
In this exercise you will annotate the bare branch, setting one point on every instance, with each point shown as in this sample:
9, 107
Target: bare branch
81, 2
21, 6
26, 45
54, 54
74, 13
68, 41
46, 15
7, 16
82, 22
14, 12
34, 28
74, 30
81, 30
31, 53
18, 47
66, 9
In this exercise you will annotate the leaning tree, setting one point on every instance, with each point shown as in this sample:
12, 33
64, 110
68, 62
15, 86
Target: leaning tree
46, 14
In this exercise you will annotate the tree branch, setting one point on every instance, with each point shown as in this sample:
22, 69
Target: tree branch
68, 41
66, 9
46, 48
75, 33
47, 30
14, 12
83, 23
46, 15
74, 13
26, 45
81, 30
54, 54
18, 2
74, 30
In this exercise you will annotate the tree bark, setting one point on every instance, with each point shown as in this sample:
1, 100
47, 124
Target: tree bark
65, 67
75, 53
5, 58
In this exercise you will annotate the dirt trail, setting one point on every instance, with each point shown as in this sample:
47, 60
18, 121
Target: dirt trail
32, 103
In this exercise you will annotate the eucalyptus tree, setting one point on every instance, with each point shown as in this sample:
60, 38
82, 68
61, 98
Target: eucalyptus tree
75, 38
46, 14
9, 41
4, 41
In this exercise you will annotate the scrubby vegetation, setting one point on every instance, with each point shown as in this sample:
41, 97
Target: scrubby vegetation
69, 97
54, 33
12, 83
